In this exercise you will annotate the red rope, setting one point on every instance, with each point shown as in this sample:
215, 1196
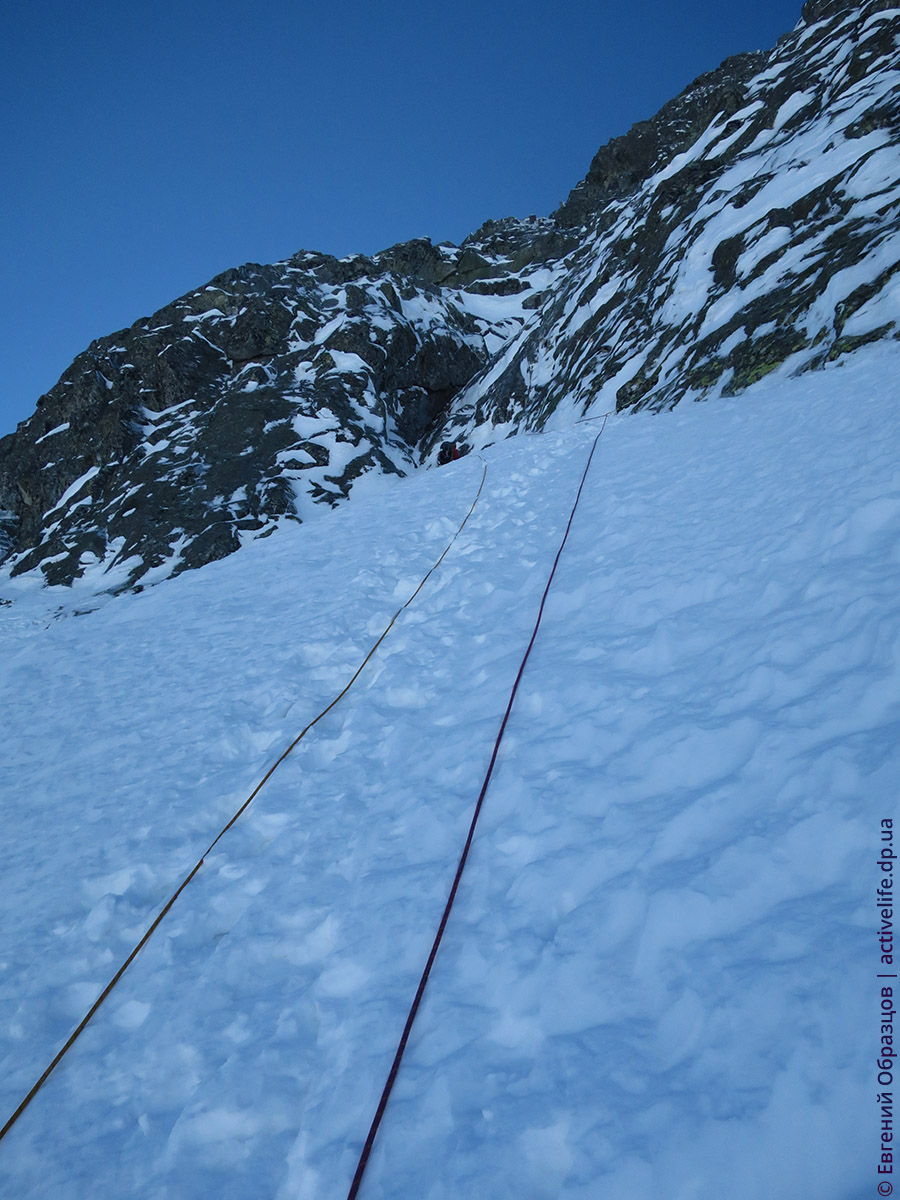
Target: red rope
420, 990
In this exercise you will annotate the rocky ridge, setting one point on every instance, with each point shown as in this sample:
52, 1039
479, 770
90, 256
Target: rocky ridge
267, 391
767, 240
752, 225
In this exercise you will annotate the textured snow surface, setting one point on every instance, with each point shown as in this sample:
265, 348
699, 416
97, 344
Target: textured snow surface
659, 979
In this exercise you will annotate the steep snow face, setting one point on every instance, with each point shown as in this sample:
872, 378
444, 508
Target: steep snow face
750, 227
661, 970
769, 241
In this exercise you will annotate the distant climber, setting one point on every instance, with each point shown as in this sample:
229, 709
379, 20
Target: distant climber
449, 452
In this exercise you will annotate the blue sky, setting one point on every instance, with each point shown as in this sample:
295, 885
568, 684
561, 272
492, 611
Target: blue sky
148, 147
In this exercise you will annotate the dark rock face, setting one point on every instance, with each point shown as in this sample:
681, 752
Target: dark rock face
246, 401
819, 10
750, 226
623, 164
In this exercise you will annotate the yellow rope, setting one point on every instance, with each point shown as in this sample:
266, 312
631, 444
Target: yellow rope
265, 779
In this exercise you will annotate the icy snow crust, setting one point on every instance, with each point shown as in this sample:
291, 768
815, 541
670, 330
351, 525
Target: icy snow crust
659, 979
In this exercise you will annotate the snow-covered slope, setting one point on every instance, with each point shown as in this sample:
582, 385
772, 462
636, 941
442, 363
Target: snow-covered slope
753, 225
659, 979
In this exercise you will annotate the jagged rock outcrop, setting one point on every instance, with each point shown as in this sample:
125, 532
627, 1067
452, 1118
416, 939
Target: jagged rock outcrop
625, 163
269, 390
751, 225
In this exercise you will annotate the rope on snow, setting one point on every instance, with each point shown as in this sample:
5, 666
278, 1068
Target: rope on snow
82, 1025
423, 981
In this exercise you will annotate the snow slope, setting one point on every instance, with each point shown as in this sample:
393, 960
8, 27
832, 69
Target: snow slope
659, 979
